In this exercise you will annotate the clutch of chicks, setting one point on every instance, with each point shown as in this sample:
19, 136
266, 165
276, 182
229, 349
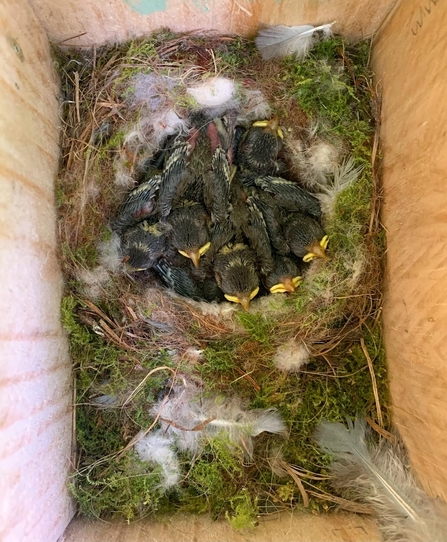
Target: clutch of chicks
213, 216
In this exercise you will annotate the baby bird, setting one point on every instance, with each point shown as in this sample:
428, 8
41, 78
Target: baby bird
139, 204
260, 146
217, 186
285, 277
305, 237
144, 244
288, 195
187, 283
236, 275
189, 230
173, 177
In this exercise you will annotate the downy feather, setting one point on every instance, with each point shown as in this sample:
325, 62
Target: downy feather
344, 176
156, 448
379, 476
190, 418
280, 41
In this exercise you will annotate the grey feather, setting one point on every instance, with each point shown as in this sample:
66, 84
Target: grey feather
379, 477
280, 41
344, 176
189, 418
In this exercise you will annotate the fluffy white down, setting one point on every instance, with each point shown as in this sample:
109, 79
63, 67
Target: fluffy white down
291, 356
93, 281
254, 106
189, 418
109, 253
157, 448
213, 92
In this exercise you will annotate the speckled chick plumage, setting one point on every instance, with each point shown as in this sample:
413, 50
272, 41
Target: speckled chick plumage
236, 273
187, 283
284, 277
140, 204
189, 230
259, 148
305, 237
289, 195
144, 244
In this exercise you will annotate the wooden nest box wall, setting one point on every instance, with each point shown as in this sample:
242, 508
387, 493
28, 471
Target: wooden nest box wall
409, 61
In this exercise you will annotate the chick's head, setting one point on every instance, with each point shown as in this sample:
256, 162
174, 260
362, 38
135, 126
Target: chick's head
237, 277
190, 234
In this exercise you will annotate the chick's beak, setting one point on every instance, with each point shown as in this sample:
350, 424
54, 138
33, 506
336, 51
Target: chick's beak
245, 302
317, 250
193, 255
288, 285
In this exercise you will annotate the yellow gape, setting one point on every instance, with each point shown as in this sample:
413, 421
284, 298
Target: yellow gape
205, 247
265, 123
194, 255
312, 255
281, 288
244, 301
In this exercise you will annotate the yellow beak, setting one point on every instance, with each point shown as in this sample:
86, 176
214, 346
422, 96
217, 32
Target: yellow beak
243, 300
194, 256
288, 284
317, 250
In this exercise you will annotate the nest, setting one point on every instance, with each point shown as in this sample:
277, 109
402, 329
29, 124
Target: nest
312, 354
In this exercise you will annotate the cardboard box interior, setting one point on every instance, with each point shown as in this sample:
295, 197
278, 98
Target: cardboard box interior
35, 394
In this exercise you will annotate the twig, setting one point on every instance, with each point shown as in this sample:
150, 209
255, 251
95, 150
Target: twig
350, 506
114, 336
98, 311
71, 38
199, 427
141, 384
385, 434
287, 468
374, 381
247, 376
78, 111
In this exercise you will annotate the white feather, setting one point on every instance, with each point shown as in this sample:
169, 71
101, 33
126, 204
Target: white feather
213, 92
344, 176
190, 418
280, 41
157, 448
123, 176
254, 106
93, 281
378, 476
109, 254
291, 356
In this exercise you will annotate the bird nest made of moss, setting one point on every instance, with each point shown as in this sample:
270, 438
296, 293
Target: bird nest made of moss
187, 158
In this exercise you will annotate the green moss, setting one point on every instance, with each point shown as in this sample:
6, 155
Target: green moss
259, 327
129, 490
214, 479
245, 511
331, 86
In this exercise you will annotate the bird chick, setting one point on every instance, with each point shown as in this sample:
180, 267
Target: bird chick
236, 275
190, 234
285, 277
289, 196
305, 237
260, 146
217, 186
173, 178
139, 204
143, 244
188, 284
